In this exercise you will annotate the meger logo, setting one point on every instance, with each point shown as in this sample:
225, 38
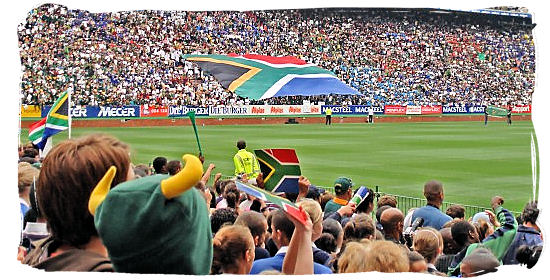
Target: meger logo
116, 112
79, 113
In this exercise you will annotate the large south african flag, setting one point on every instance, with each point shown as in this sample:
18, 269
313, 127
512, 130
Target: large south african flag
280, 169
260, 76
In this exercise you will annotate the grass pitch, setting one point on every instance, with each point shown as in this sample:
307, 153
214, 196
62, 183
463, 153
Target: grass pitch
474, 162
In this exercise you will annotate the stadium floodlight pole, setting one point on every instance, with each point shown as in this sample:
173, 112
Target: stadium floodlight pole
191, 115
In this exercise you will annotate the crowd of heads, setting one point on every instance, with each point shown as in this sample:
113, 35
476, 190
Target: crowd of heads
135, 57
99, 212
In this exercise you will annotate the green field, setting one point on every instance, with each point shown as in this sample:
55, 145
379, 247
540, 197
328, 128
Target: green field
474, 162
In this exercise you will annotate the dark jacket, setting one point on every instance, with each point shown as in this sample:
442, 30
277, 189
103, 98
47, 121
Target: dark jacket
260, 253
321, 257
71, 260
525, 236
443, 262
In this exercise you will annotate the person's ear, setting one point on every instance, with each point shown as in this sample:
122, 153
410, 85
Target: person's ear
248, 256
256, 240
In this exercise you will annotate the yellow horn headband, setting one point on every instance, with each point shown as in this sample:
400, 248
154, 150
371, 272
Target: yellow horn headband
183, 180
101, 189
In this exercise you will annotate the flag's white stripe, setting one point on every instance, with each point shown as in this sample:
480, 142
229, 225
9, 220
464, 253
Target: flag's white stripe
284, 80
277, 65
36, 130
38, 140
58, 127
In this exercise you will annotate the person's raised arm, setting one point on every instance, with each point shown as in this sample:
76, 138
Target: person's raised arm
303, 187
206, 175
299, 256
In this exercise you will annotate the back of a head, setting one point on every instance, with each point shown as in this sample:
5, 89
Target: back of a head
433, 190
313, 193
449, 245
461, 231
221, 217
332, 227
352, 259
483, 228
28, 160
158, 164
387, 200
328, 241
530, 212
359, 227
313, 209
481, 259
417, 263
26, 175
279, 221
30, 152
386, 256
254, 221
231, 194
241, 144
380, 210
528, 255
68, 175
455, 211
428, 242
139, 173
230, 245
390, 218
143, 170
325, 197
173, 167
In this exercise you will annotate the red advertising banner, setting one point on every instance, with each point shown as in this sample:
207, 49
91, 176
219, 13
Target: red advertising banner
154, 111
395, 110
521, 109
427, 110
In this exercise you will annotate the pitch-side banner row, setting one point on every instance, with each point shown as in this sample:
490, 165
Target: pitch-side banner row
258, 110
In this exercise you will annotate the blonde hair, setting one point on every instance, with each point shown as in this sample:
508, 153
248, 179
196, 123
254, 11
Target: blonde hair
230, 245
386, 256
428, 242
313, 209
353, 258
26, 175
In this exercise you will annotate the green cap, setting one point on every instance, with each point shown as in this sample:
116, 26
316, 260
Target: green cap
342, 184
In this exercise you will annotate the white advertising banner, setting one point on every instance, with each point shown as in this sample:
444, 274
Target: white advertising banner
414, 110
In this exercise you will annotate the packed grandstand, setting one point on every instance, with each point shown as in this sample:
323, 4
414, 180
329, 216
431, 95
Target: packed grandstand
393, 57
86, 207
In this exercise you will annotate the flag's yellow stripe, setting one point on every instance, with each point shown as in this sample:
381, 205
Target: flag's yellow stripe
238, 82
54, 110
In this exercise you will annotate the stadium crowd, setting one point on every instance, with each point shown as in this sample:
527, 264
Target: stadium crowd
86, 207
135, 57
